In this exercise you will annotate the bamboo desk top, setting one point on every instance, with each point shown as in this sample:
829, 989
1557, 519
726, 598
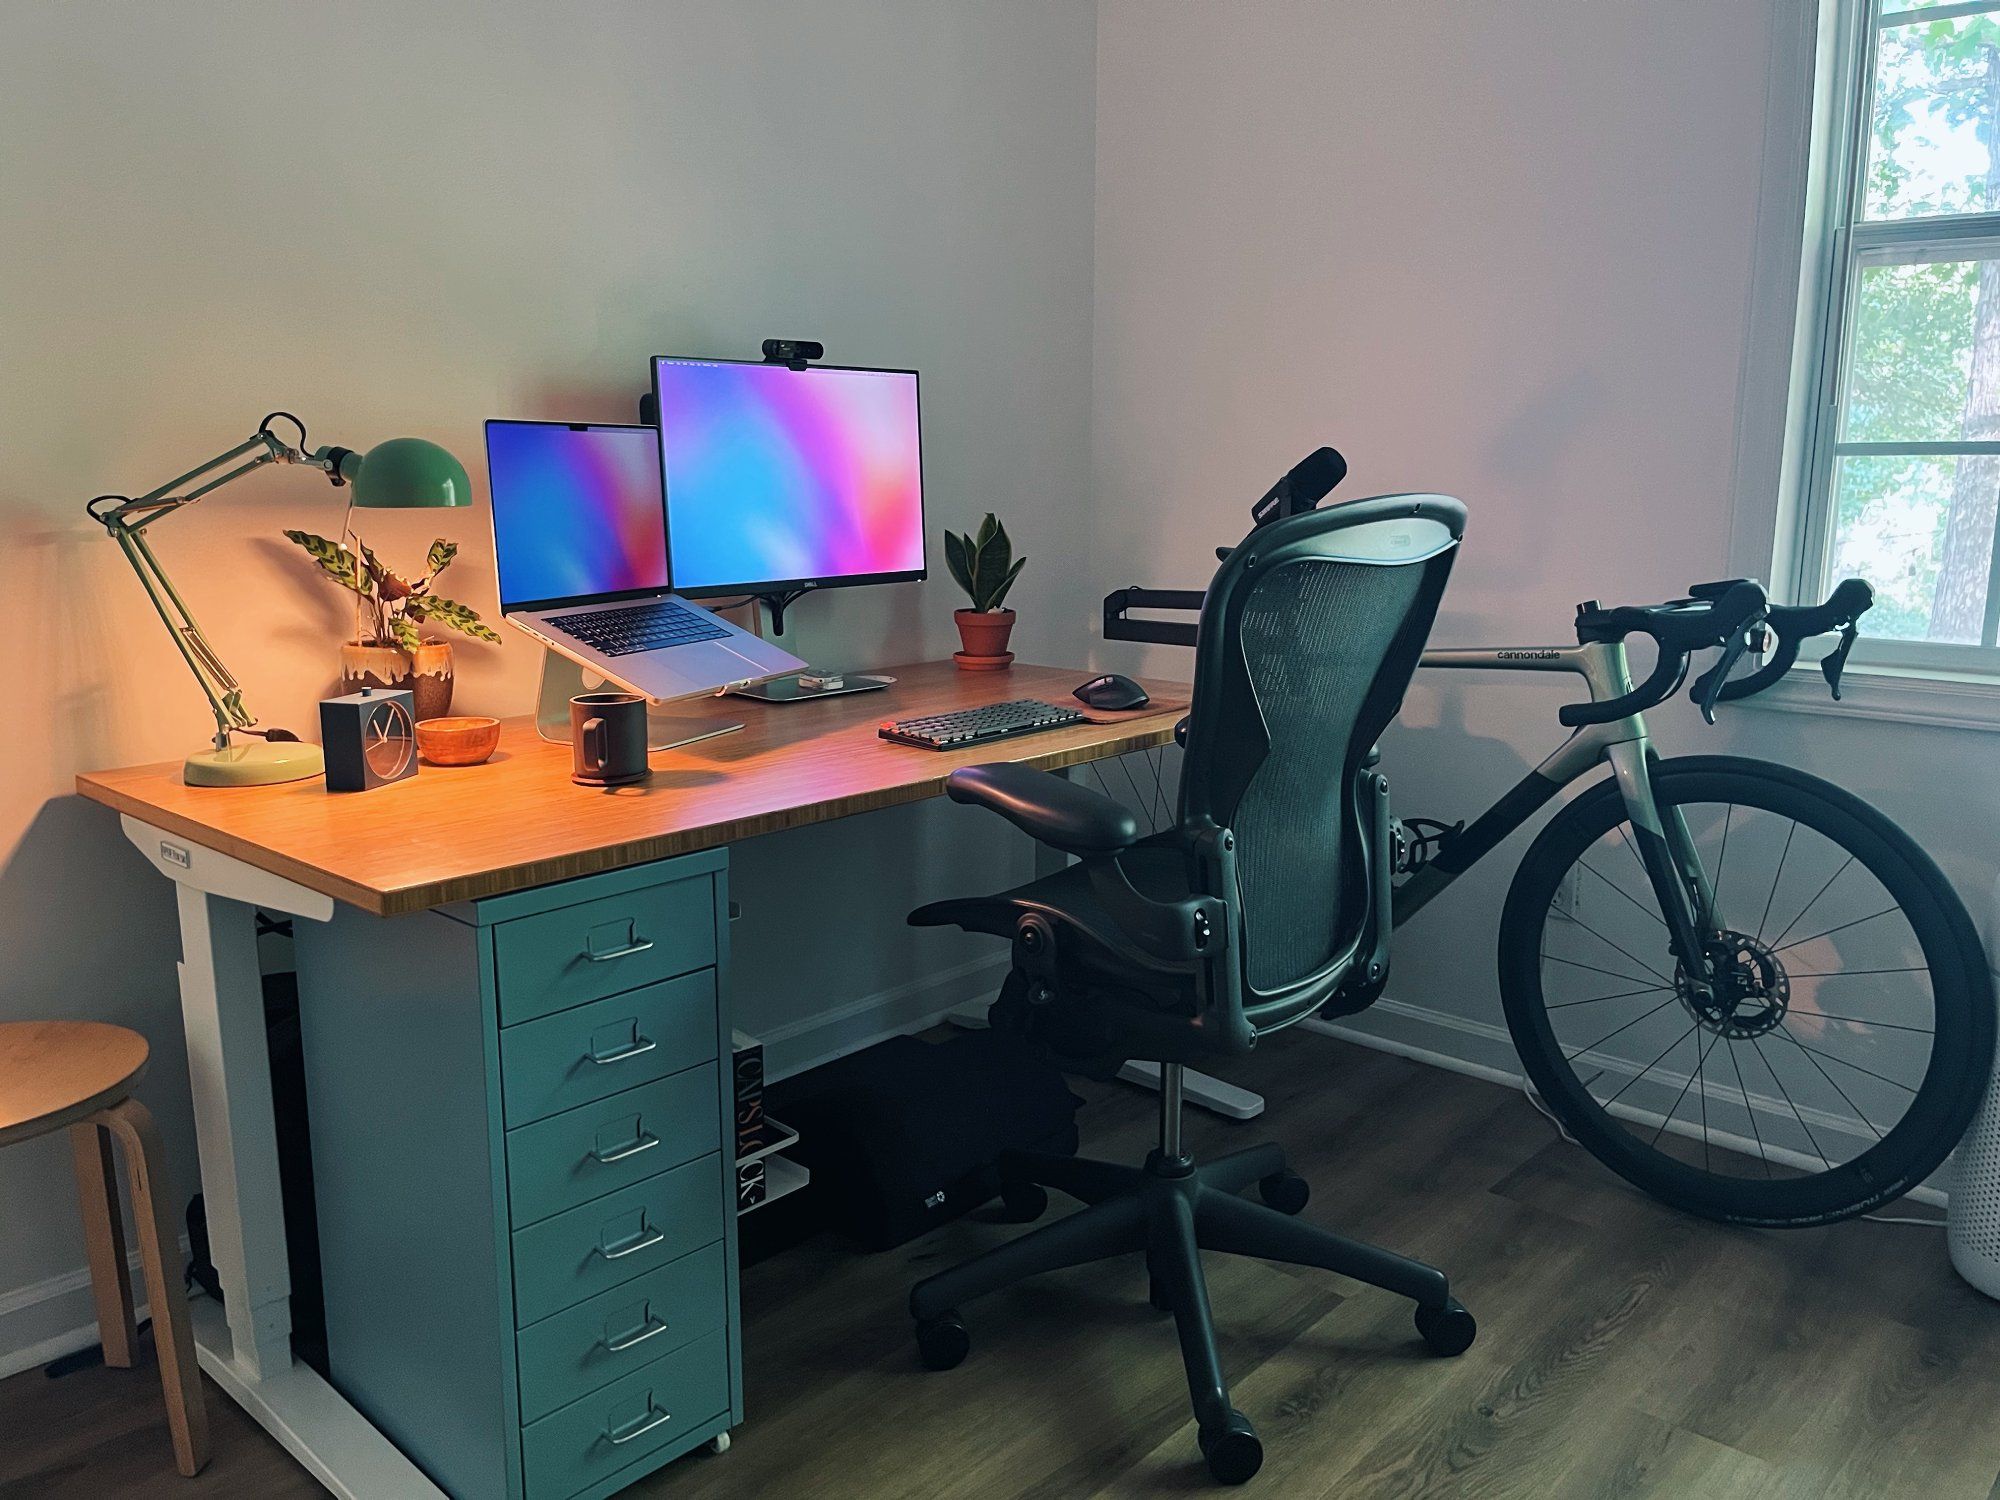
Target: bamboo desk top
455, 834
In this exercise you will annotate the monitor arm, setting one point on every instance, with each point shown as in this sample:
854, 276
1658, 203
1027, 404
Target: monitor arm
779, 602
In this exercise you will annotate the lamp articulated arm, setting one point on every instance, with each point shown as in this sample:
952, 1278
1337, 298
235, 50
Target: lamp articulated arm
127, 519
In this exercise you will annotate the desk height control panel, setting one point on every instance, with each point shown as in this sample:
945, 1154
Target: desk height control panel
522, 1138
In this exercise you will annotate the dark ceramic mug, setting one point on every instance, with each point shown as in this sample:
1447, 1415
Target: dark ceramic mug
607, 736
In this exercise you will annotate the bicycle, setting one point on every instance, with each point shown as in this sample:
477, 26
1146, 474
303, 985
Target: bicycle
1706, 956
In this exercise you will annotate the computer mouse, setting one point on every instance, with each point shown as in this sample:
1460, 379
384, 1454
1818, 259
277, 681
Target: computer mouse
1112, 692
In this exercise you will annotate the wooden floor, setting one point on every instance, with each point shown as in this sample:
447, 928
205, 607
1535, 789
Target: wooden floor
1624, 1349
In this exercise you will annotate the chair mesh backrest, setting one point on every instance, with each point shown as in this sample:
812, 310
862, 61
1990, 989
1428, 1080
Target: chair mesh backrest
1310, 634
1315, 634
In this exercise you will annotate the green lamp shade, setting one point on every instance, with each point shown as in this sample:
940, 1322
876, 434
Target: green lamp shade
409, 474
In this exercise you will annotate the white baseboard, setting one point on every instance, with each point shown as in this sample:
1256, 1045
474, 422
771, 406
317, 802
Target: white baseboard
47, 1319
873, 1018
1481, 1050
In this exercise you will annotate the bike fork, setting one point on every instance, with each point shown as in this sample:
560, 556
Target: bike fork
1667, 852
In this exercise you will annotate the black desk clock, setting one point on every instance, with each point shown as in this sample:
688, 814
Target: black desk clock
370, 739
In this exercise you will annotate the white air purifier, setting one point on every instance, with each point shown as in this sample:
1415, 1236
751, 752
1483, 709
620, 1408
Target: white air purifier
1972, 1222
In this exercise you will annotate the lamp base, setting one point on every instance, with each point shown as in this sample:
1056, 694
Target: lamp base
258, 763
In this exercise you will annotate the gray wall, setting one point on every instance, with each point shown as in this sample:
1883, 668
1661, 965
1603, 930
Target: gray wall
1528, 252
394, 218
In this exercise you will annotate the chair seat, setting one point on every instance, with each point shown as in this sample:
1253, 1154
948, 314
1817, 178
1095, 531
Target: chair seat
53, 1073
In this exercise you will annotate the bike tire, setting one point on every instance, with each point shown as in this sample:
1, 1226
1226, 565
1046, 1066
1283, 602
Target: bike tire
1962, 1048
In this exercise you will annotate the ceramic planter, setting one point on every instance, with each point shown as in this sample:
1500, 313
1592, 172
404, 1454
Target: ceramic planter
983, 633
425, 672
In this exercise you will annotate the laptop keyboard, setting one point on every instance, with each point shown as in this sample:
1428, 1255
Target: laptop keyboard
640, 627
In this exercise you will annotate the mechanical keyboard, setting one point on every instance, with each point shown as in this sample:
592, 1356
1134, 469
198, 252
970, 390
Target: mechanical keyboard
640, 627
975, 726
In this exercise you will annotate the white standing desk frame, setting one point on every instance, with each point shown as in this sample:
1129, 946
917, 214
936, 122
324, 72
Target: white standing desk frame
246, 1344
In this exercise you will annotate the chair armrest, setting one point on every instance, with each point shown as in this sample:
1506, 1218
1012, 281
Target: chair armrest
1060, 813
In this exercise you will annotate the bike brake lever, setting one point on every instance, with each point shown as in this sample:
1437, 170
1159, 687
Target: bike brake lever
1709, 687
1835, 661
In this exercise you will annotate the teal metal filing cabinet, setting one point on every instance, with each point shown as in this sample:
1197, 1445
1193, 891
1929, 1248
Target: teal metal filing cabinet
521, 1135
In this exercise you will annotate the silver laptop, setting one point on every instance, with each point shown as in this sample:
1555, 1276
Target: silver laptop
580, 541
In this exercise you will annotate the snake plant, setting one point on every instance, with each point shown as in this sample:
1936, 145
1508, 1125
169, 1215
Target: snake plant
983, 563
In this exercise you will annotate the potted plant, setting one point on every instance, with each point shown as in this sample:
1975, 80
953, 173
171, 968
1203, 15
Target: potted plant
984, 565
389, 649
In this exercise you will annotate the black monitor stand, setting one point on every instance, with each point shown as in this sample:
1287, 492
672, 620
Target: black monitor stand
802, 687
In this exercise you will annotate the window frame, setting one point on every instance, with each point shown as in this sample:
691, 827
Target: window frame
1849, 244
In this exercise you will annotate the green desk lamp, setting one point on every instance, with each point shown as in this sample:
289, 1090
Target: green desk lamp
402, 473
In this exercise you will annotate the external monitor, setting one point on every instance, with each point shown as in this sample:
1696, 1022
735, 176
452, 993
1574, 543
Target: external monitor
576, 513
778, 479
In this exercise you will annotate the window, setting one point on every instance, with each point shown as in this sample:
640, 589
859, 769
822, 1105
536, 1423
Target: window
1903, 462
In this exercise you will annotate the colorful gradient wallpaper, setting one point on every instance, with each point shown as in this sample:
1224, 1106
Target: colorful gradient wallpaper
775, 475
574, 512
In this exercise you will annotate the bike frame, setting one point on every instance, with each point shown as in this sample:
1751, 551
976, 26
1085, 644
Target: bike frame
1664, 845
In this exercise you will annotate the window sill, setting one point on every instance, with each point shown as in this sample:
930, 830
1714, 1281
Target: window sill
1952, 701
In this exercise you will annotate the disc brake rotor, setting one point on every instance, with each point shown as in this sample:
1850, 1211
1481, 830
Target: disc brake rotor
1751, 992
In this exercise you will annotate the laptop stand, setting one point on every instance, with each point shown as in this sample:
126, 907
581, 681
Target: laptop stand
562, 679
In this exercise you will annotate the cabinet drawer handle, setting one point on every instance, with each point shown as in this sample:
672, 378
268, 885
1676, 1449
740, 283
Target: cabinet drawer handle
638, 945
638, 1046
657, 1417
646, 1240
653, 1329
644, 1143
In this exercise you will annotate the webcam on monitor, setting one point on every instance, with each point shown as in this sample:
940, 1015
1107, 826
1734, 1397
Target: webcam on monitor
798, 353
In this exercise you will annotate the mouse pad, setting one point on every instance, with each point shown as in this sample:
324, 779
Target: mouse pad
1119, 716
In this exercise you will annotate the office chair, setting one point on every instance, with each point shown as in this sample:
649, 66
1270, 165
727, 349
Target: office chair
1267, 902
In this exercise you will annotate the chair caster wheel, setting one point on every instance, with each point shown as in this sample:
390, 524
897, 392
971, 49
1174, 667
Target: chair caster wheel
943, 1342
1025, 1202
1234, 1455
1156, 1293
719, 1443
1447, 1330
1285, 1191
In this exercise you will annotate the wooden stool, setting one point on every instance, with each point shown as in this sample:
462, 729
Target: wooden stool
80, 1074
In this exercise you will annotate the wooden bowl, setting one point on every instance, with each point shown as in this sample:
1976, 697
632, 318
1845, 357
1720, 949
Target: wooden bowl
464, 741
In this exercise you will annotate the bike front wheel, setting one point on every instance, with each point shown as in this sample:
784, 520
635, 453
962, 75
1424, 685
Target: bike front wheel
1839, 1062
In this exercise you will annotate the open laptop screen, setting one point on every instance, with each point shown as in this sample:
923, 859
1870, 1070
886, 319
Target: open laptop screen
576, 512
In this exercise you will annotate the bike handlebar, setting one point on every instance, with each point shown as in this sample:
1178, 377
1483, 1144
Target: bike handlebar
1795, 624
1732, 614
1680, 628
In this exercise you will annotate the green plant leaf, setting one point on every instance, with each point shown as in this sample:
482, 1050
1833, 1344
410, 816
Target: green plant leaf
455, 616
958, 562
406, 633
1000, 594
996, 560
334, 560
987, 528
442, 552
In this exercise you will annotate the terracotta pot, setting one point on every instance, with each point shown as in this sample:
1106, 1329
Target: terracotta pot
426, 672
984, 634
